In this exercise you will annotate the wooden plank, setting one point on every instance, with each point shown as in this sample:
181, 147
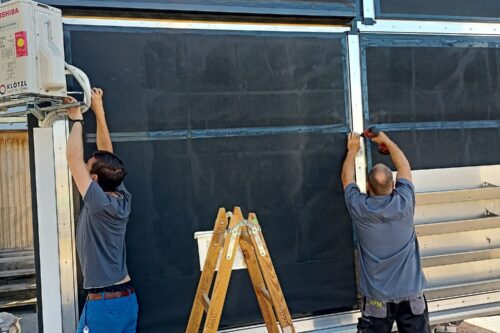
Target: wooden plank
23, 259
18, 272
208, 272
17, 287
15, 304
270, 277
258, 284
224, 274
20, 250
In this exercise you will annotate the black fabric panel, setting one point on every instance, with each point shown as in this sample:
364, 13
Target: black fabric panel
328, 8
450, 9
446, 148
292, 182
161, 80
171, 80
433, 84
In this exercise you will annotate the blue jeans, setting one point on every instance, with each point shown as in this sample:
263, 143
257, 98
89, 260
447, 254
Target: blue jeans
116, 315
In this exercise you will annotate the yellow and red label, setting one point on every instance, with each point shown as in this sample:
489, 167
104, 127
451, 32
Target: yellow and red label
21, 44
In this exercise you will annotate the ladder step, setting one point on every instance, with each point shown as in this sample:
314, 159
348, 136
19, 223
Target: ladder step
205, 300
18, 272
481, 193
457, 226
263, 290
462, 257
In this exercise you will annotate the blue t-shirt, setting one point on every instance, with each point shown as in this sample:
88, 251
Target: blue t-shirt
100, 236
389, 258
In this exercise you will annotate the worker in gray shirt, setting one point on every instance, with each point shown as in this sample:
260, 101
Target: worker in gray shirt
111, 305
391, 277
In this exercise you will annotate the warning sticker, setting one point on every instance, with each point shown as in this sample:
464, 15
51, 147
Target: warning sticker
21, 44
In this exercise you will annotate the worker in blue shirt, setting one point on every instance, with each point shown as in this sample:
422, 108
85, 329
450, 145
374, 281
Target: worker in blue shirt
111, 305
391, 277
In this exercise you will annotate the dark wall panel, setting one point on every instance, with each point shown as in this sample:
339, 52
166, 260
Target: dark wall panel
439, 97
446, 148
175, 80
161, 86
446, 9
433, 84
327, 8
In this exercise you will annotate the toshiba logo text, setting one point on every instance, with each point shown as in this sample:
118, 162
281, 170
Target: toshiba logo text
9, 12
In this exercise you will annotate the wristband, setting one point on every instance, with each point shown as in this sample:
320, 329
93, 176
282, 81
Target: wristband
79, 121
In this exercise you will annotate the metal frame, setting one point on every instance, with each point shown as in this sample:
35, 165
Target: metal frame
56, 229
357, 106
369, 10
69, 304
195, 25
48, 236
13, 124
431, 28
66, 228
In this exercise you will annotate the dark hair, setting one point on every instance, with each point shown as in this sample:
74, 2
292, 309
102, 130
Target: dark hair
109, 170
380, 185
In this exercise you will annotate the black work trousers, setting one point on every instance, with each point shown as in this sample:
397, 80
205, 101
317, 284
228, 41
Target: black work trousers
406, 321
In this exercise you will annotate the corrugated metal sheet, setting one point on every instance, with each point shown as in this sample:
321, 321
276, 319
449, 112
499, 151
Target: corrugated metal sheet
15, 191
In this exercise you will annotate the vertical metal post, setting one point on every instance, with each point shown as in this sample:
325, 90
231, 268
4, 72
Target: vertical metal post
47, 229
357, 105
369, 9
66, 228
56, 229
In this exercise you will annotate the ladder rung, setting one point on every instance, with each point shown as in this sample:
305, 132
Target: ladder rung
265, 292
205, 300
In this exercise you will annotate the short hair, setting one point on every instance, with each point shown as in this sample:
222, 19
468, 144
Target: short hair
109, 170
380, 179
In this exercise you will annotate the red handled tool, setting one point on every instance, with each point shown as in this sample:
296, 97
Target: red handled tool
372, 132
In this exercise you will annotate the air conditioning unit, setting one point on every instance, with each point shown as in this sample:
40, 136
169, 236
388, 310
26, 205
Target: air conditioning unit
31, 51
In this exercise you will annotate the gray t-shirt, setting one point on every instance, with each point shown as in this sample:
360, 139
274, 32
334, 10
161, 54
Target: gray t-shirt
100, 236
389, 258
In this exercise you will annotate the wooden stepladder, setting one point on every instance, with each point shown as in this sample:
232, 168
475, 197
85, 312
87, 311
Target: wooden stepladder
246, 234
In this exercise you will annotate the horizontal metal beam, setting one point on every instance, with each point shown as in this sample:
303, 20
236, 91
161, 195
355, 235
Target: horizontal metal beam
462, 289
199, 25
457, 226
431, 27
461, 257
481, 193
221, 133
443, 310
459, 242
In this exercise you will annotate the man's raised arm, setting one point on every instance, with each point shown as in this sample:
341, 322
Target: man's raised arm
103, 138
398, 157
353, 146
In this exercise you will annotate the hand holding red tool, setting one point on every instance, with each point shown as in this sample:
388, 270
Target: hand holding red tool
372, 132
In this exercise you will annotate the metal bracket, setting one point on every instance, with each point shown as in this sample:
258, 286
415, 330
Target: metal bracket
235, 232
254, 229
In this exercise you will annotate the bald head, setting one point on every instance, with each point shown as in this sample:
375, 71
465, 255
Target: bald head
380, 180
